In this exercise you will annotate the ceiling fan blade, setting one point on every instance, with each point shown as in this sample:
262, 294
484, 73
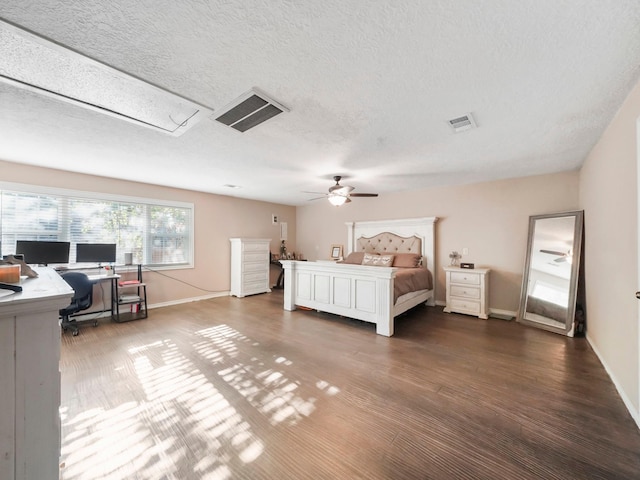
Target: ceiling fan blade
560, 260
317, 193
554, 252
363, 195
316, 198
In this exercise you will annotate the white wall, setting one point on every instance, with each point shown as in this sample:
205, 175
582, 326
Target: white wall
490, 219
608, 194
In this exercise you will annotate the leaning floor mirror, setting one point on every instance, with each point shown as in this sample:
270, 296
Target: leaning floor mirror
551, 286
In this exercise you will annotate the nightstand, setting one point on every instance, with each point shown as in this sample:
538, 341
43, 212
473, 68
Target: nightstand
468, 291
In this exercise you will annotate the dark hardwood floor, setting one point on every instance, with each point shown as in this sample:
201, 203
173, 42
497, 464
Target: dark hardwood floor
240, 389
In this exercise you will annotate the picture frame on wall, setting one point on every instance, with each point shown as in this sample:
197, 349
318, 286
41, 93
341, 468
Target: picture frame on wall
336, 252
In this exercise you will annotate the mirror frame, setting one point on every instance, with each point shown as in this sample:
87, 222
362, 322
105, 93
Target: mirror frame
570, 320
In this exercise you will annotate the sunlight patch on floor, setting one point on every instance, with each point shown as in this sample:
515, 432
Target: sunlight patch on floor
139, 438
266, 389
103, 440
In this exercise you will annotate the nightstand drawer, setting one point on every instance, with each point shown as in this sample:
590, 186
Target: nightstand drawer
466, 278
465, 292
465, 305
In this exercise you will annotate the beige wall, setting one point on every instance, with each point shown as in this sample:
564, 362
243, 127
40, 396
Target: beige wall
608, 194
490, 219
217, 218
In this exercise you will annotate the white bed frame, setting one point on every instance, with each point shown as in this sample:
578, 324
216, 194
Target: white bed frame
359, 291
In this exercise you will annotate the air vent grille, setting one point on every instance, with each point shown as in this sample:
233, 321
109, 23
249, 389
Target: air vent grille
250, 109
460, 124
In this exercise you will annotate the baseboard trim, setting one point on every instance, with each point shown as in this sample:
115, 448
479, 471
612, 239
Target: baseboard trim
507, 315
107, 314
189, 300
627, 402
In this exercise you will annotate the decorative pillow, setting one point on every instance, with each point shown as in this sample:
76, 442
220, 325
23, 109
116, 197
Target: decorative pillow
377, 260
407, 260
354, 258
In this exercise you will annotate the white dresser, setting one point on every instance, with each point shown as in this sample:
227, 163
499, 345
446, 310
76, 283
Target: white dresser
468, 291
249, 266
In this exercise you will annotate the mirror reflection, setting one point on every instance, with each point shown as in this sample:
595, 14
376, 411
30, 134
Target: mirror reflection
551, 273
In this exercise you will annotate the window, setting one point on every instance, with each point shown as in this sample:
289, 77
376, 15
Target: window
157, 233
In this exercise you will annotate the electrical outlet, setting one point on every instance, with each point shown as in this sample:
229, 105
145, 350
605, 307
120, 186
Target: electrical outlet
274, 219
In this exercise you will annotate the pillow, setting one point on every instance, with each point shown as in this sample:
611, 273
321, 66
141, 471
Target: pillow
377, 260
407, 260
354, 258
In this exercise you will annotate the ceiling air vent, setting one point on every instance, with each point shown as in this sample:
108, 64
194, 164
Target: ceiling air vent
248, 110
460, 124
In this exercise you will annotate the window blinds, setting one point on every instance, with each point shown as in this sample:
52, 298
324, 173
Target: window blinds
159, 235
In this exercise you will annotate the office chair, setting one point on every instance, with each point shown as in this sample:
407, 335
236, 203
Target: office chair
81, 300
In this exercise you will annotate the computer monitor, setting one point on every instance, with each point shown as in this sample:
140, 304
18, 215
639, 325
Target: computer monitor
40, 252
96, 252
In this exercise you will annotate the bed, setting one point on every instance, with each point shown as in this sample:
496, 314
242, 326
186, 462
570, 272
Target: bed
367, 292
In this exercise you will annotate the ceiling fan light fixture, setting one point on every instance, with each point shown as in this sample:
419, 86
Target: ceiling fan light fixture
336, 200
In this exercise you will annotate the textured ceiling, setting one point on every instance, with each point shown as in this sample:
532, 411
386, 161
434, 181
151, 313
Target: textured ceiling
370, 86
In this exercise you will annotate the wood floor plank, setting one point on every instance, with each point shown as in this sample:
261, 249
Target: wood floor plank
234, 388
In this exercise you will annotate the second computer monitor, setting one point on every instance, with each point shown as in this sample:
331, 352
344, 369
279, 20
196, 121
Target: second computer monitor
96, 253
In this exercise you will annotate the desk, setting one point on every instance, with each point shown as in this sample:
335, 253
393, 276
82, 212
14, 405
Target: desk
280, 282
115, 302
30, 377
96, 279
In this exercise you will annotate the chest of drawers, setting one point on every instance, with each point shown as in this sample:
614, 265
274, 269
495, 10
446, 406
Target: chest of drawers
249, 266
468, 291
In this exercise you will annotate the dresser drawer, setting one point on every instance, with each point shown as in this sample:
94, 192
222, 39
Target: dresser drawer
465, 292
254, 257
254, 287
254, 277
255, 247
255, 267
469, 306
466, 278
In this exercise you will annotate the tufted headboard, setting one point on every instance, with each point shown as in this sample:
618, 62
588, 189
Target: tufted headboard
414, 235
389, 243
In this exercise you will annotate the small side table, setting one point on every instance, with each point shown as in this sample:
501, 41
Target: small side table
468, 291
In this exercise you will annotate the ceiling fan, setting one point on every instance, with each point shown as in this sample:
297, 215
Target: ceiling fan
341, 194
562, 256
